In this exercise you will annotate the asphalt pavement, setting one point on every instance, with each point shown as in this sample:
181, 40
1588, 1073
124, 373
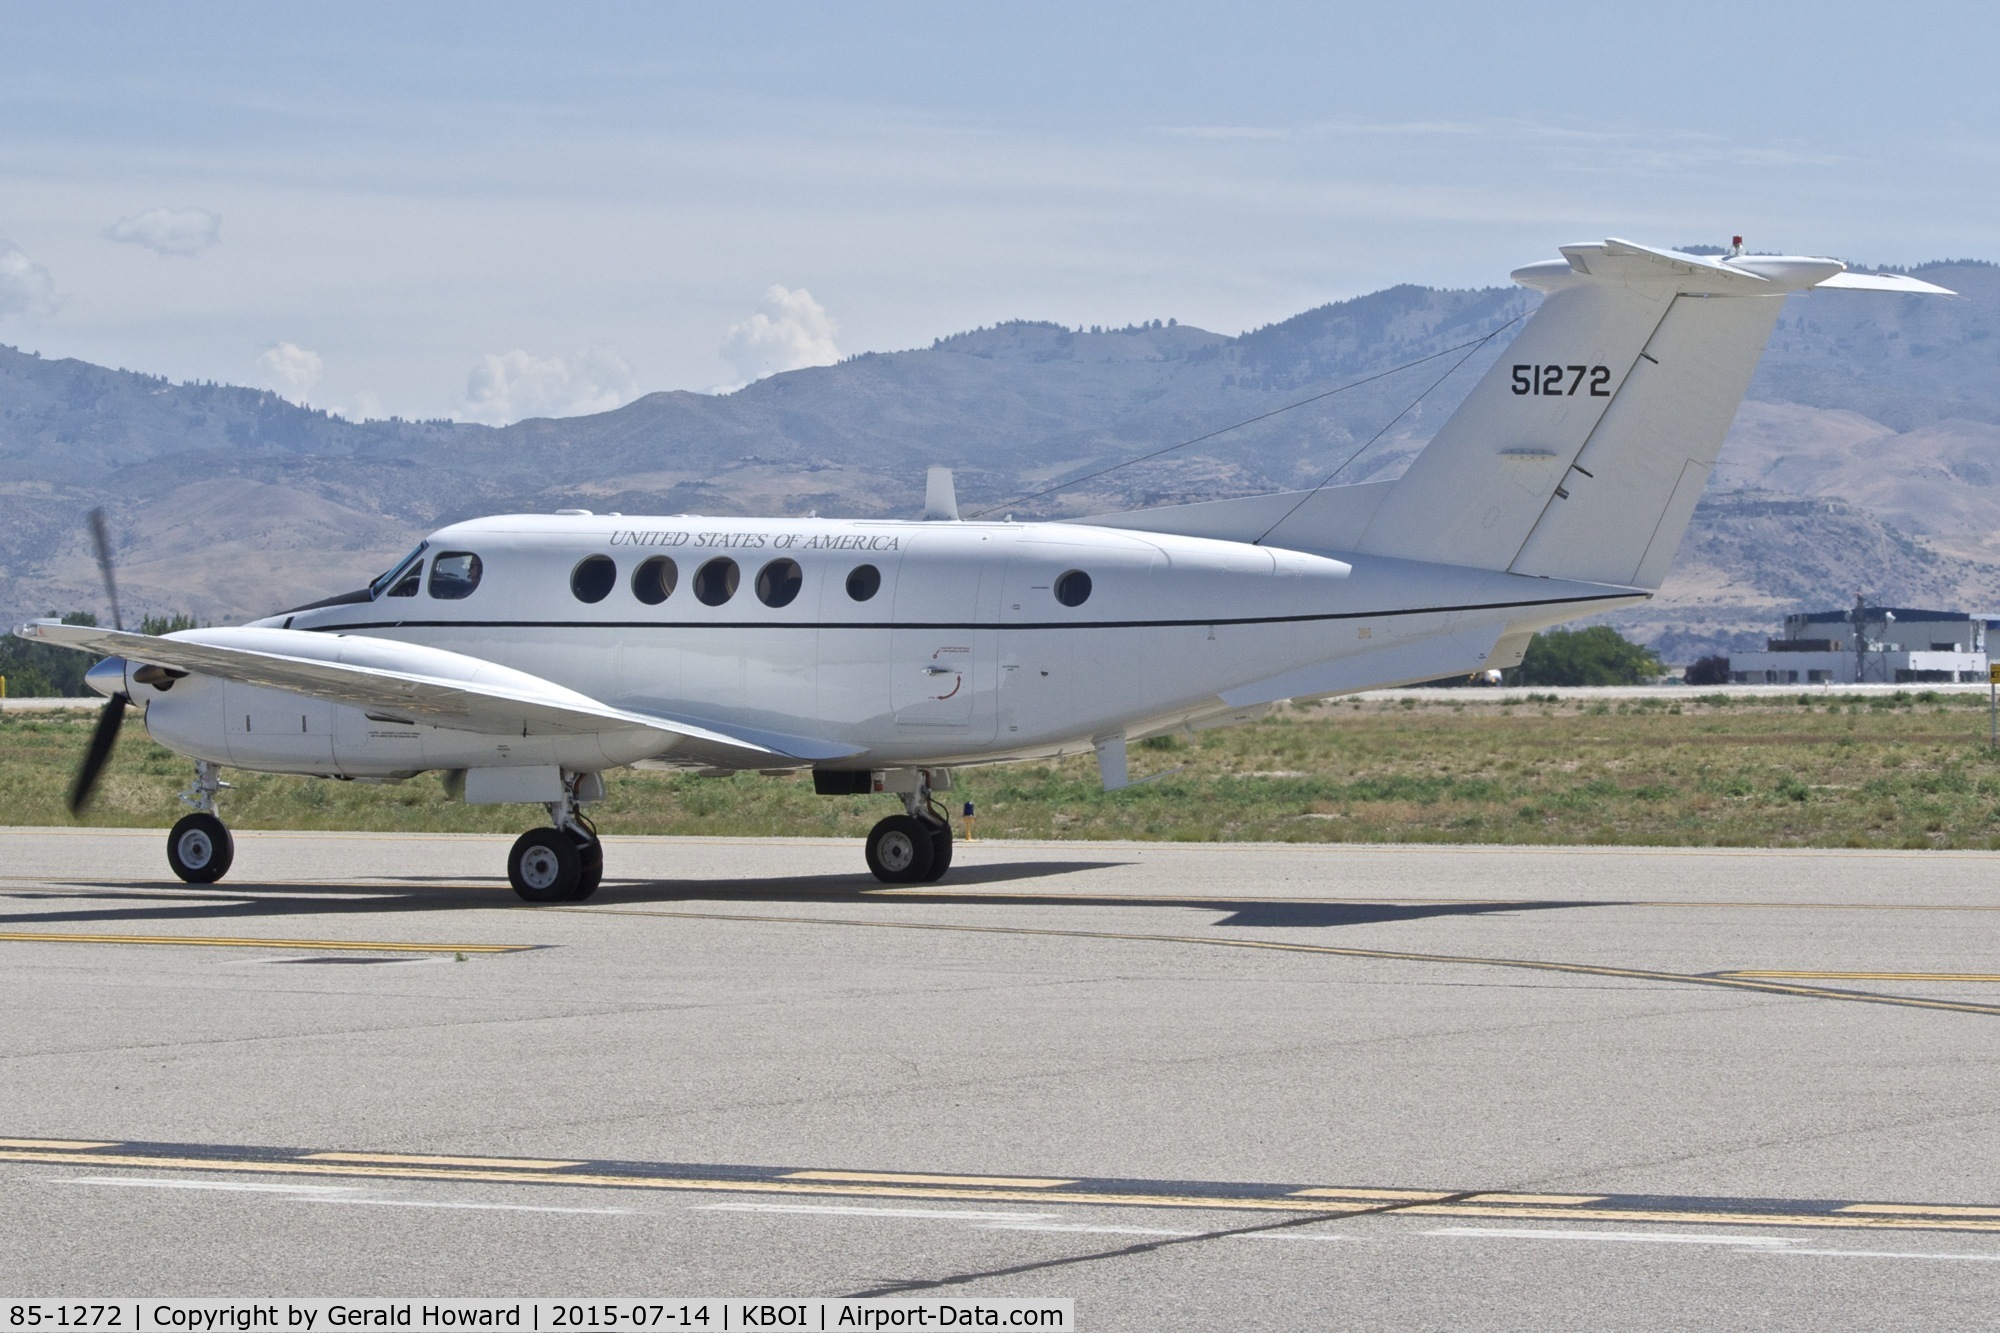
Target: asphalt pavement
1191, 1086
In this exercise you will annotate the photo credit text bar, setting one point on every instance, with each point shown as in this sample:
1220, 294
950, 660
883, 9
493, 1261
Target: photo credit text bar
706, 1314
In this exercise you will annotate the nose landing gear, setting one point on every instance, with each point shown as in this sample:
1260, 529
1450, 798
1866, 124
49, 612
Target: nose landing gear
199, 848
563, 864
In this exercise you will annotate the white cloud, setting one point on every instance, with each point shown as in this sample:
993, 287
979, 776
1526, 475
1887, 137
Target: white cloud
509, 386
25, 286
169, 231
791, 331
290, 369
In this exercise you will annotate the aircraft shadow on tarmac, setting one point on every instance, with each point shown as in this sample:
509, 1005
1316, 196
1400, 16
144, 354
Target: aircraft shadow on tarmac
170, 901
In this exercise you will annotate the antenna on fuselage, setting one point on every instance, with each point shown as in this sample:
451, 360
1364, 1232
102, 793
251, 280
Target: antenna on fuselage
940, 497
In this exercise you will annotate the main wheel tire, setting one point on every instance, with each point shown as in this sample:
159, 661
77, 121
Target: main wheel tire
900, 850
591, 853
940, 852
200, 849
545, 866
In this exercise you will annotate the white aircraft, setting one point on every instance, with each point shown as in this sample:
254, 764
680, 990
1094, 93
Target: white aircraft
526, 655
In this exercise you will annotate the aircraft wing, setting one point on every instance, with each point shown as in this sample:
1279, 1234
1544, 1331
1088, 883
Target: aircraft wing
411, 683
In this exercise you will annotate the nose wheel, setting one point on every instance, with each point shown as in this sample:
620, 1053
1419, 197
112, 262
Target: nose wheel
200, 849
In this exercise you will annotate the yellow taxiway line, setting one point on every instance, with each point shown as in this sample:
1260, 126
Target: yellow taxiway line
1332, 1203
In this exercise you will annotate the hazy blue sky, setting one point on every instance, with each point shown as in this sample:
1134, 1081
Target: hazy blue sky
495, 210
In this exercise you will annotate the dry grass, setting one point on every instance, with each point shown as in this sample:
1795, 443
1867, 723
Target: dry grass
1815, 771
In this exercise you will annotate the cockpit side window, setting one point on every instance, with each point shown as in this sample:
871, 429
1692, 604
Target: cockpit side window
394, 577
454, 574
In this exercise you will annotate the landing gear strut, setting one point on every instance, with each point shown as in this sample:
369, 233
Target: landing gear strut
199, 847
562, 864
914, 847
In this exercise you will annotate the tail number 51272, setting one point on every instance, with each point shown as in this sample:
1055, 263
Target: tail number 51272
1561, 381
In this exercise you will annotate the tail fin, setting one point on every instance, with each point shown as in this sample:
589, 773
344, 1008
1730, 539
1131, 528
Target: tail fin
1582, 454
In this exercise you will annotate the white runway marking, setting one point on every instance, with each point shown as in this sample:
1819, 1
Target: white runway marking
480, 1207
833, 1210
1760, 1244
235, 1186
1895, 1254
1084, 1229
1629, 1237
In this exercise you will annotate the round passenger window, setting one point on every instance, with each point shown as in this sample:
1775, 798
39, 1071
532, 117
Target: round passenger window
1073, 588
653, 581
592, 578
779, 582
715, 582
864, 582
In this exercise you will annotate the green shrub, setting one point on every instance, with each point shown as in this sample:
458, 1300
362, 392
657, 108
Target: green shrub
1599, 655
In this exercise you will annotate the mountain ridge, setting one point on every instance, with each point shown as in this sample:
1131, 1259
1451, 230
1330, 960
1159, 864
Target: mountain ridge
230, 502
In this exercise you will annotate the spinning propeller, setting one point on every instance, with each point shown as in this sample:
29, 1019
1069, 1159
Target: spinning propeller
113, 716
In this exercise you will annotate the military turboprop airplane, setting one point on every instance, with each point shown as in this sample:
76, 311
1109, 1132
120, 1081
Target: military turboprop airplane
526, 655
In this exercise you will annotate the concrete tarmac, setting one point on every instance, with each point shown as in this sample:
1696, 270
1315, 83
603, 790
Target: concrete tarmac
1191, 1086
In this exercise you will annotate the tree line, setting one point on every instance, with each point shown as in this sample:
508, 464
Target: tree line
43, 671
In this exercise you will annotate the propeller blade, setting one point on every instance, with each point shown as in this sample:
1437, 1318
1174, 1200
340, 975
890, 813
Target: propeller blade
101, 742
102, 539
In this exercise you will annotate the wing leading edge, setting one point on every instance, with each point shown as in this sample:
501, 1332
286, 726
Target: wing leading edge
428, 685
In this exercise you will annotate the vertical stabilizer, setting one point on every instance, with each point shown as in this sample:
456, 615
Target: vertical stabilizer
1582, 453
1474, 493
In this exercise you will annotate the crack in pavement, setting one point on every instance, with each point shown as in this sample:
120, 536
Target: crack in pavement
1148, 1247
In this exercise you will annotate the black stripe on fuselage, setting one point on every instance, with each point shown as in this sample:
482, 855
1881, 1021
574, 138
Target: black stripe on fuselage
965, 624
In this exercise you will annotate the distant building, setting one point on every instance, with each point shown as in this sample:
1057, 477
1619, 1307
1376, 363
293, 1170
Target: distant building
1869, 645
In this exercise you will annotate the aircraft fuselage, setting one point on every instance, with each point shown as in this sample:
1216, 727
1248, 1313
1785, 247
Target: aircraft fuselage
966, 642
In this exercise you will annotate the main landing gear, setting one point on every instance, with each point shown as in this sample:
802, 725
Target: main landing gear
562, 864
199, 847
914, 847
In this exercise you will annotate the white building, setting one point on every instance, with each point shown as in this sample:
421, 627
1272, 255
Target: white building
1869, 644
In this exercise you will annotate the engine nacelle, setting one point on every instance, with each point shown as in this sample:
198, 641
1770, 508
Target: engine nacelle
277, 731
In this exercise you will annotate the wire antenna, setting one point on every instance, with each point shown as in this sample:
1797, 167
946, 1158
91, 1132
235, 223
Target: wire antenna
1473, 344
1390, 424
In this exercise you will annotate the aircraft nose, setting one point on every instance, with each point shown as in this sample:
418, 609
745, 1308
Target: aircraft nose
107, 677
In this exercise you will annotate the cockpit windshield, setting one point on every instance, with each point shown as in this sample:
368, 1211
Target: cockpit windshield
381, 585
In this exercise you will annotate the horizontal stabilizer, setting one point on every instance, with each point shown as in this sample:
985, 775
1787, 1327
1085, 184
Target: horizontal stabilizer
1886, 282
